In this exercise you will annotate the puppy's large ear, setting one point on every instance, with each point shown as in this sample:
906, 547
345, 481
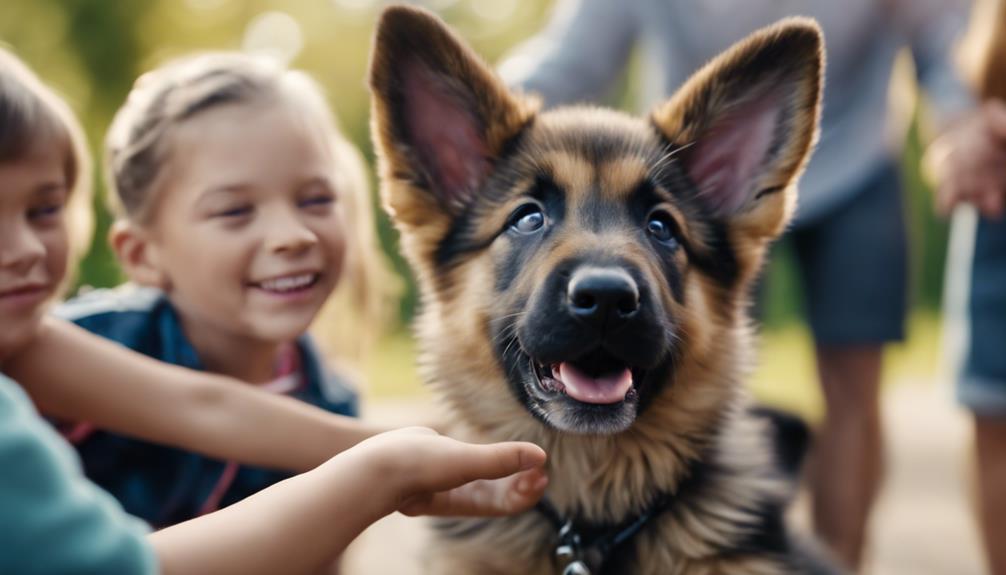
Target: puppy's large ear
440, 116
746, 123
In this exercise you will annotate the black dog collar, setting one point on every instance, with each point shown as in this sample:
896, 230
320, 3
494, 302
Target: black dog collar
582, 550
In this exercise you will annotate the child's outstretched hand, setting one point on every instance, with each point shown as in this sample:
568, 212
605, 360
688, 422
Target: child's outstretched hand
431, 474
313, 516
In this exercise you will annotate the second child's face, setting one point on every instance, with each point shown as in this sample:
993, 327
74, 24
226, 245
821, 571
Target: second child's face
249, 232
33, 241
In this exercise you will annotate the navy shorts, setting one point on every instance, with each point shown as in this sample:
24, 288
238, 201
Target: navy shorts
982, 383
853, 265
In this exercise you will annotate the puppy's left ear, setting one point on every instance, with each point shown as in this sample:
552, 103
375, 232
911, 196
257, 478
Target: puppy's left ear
746, 123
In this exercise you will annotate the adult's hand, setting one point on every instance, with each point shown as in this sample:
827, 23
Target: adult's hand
968, 162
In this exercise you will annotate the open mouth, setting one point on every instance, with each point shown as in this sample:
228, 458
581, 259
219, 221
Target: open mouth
596, 378
287, 285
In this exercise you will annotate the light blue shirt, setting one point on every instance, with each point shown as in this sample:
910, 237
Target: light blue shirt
52, 520
585, 48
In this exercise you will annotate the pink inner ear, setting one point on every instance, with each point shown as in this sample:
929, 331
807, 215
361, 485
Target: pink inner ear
445, 135
730, 155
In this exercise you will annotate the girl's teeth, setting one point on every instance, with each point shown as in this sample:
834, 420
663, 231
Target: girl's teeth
288, 283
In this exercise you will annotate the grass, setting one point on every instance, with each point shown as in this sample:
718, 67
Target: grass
785, 376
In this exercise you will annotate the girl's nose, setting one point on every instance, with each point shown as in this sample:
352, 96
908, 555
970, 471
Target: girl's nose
20, 247
288, 234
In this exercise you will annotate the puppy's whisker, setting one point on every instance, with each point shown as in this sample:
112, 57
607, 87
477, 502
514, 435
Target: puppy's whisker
667, 158
512, 315
509, 330
506, 350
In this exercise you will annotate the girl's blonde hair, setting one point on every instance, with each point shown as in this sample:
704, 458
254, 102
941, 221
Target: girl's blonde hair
32, 114
138, 147
983, 49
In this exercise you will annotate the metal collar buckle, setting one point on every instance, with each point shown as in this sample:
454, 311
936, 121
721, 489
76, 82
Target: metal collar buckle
569, 551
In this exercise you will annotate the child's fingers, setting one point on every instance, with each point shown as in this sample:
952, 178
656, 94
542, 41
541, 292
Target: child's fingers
482, 498
470, 462
527, 490
472, 499
444, 476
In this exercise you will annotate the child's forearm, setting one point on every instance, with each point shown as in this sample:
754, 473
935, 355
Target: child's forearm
296, 526
76, 375
300, 524
257, 428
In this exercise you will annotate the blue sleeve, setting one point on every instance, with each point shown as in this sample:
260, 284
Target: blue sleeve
52, 520
579, 55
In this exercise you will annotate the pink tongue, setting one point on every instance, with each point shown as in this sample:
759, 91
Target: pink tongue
609, 388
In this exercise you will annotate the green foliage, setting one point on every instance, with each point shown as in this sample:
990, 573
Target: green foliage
927, 232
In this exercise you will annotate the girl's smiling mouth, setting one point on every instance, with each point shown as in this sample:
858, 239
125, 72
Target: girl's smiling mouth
24, 294
290, 285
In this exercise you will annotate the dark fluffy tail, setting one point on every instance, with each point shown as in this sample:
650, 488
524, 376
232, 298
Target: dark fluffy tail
790, 438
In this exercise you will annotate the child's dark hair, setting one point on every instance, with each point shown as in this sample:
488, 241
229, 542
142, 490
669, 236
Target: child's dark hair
32, 115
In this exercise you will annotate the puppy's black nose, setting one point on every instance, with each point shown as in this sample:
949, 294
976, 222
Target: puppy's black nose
603, 298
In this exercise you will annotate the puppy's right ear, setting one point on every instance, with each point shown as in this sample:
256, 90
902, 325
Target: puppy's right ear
441, 117
136, 254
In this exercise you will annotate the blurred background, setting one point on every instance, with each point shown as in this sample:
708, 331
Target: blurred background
92, 50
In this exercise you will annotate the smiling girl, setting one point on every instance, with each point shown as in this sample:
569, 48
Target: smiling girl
242, 208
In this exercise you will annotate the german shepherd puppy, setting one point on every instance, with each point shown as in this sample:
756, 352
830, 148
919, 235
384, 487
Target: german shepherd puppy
584, 278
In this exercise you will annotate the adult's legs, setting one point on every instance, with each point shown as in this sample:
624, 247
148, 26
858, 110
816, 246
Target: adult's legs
981, 386
848, 454
990, 438
853, 263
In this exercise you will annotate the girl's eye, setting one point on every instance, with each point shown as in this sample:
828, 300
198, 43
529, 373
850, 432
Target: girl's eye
527, 219
234, 212
660, 226
319, 200
45, 211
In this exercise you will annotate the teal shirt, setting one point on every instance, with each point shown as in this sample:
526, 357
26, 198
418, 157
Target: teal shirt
52, 519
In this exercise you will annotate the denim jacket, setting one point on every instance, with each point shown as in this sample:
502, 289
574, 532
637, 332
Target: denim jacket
164, 485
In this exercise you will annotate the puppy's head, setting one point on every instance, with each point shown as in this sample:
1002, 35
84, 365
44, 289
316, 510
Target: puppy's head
573, 263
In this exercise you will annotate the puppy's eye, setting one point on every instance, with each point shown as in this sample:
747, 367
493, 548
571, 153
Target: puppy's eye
661, 228
527, 219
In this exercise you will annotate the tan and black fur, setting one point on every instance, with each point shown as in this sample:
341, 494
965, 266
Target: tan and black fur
509, 215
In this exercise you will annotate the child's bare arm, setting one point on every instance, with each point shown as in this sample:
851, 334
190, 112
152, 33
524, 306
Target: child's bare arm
73, 374
300, 524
